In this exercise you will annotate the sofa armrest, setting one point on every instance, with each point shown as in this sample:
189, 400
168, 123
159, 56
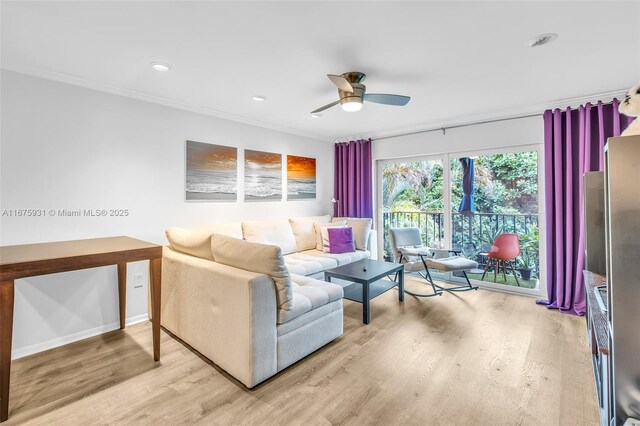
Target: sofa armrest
225, 313
372, 244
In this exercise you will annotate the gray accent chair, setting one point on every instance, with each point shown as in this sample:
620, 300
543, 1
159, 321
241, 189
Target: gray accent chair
407, 247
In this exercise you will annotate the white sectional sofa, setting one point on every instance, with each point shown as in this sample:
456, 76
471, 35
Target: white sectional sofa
231, 310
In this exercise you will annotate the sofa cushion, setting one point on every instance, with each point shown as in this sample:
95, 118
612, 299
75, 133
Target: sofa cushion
309, 294
307, 318
197, 241
361, 229
317, 229
300, 306
256, 257
333, 291
339, 259
275, 232
305, 264
303, 230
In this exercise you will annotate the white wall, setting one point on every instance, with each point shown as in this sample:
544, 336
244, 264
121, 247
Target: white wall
66, 147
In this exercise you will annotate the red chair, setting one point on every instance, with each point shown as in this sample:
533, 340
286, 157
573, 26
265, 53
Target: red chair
504, 251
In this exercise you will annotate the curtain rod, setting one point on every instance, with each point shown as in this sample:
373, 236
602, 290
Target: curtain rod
444, 129
475, 123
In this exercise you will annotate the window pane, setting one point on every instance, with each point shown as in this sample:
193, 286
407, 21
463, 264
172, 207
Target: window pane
412, 196
504, 193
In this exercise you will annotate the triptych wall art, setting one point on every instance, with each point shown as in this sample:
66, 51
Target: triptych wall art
301, 177
211, 174
262, 176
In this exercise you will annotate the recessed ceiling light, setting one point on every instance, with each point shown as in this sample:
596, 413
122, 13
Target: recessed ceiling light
160, 66
541, 39
316, 115
258, 98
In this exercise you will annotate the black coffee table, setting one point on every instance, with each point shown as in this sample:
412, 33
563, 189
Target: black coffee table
367, 280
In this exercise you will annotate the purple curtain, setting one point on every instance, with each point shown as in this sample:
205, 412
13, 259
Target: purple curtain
573, 144
353, 187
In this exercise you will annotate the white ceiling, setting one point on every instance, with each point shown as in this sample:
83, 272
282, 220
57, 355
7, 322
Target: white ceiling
459, 61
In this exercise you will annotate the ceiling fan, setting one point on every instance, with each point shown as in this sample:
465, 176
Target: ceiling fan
352, 93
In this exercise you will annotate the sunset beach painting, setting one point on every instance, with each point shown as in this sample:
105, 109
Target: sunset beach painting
301, 177
262, 176
211, 172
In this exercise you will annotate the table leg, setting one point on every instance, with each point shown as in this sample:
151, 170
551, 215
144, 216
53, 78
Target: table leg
6, 331
122, 293
401, 285
155, 277
365, 304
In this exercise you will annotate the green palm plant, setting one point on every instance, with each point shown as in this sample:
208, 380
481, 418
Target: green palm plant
398, 177
529, 243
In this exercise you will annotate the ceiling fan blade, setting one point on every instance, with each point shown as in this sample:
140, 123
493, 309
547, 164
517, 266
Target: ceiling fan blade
327, 106
341, 83
383, 98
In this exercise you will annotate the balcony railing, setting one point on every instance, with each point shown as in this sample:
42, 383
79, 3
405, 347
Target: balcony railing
471, 234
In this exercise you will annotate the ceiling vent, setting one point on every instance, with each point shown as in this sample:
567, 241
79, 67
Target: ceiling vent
541, 39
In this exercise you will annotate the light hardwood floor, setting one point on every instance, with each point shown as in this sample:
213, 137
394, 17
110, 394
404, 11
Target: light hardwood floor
481, 358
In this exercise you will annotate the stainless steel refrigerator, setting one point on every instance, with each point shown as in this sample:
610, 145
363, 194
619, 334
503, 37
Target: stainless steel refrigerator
622, 226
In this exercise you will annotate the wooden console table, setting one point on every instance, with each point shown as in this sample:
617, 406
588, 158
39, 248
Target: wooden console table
29, 260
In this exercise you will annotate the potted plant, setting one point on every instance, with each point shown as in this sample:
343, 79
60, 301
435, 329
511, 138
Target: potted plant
525, 264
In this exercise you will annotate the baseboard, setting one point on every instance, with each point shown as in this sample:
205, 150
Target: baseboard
65, 340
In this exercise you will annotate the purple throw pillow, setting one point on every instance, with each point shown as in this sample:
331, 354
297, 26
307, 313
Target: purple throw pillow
341, 240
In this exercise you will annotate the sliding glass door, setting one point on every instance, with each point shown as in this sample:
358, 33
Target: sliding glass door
413, 195
466, 206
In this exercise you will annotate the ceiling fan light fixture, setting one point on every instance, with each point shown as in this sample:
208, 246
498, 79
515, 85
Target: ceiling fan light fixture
351, 104
352, 93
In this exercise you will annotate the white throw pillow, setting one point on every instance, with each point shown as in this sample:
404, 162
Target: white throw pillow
197, 241
318, 231
303, 230
255, 257
276, 232
361, 229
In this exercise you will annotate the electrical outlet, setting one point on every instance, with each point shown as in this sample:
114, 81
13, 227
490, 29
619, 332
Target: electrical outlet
137, 280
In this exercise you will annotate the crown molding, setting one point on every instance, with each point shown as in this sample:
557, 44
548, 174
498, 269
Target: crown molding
395, 132
133, 94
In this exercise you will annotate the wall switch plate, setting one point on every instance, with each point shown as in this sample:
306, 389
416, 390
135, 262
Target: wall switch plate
137, 280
